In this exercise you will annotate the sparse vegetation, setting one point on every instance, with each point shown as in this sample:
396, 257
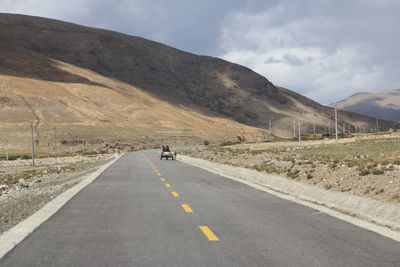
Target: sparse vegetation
328, 186
396, 197
356, 166
363, 172
379, 191
293, 174
333, 165
377, 172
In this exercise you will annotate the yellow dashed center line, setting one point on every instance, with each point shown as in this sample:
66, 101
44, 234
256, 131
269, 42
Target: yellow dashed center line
208, 233
151, 164
186, 208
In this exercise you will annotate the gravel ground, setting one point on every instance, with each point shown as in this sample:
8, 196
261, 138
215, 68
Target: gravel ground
368, 166
24, 188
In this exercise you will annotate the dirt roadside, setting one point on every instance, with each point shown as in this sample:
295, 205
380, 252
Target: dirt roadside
24, 188
367, 166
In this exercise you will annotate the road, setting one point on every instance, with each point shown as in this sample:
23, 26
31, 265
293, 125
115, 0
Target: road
132, 215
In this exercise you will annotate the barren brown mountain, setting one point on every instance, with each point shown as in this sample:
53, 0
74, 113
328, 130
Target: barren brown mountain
110, 86
384, 105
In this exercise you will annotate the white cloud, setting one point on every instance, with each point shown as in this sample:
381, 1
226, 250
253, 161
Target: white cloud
324, 51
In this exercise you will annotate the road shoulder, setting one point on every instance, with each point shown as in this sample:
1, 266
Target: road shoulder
13, 236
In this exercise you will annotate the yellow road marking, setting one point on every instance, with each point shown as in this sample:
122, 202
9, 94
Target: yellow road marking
175, 194
159, 174
168, 185
162, 179
208, 233
151, 164
186, 208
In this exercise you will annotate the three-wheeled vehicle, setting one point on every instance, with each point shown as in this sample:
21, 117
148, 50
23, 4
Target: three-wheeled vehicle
166, 153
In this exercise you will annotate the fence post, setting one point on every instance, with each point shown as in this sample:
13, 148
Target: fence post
294, 128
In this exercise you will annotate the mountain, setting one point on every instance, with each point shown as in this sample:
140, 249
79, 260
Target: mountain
384, 105
110, 86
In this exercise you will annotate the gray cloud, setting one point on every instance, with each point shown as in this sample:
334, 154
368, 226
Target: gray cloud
292, 60
272, 60
326, 50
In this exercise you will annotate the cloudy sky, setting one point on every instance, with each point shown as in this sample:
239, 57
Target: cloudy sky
323, 49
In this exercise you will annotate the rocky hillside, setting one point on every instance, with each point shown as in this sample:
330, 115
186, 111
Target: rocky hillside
385, 105
103, 84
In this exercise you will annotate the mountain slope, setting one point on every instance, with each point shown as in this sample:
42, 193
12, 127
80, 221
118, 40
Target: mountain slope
205, 83
96, 107
385, 105
108, 85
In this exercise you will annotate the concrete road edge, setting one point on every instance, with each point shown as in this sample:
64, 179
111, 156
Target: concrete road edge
305, 195
13, 236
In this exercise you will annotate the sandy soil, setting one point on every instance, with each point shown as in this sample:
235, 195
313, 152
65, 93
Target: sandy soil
24, 188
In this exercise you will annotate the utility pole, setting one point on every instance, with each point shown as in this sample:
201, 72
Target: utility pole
294, 128
314, 129
344, 128
336, 125
299, 134
7, 149
269, 133
48, 149
377, 126
55, 142
69, 146
329, 127
33, 146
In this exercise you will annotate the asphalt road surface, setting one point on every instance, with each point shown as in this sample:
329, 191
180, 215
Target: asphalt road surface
146, 212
